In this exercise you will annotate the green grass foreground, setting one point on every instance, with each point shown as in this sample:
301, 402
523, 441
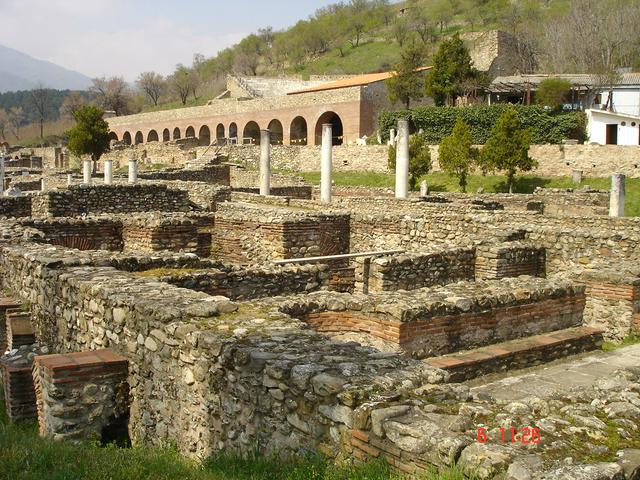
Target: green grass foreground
441, 182
26, 456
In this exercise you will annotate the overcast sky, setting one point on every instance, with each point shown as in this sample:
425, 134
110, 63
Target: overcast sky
126, 37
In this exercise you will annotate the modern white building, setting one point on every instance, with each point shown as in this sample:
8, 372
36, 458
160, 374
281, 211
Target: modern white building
612, 128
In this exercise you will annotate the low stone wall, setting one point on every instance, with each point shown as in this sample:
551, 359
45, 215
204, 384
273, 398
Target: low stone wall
81, 200
613, 301
413, 271
83, 234
173, 233
256, 282
246, 233
215, 174
15, 206
301, 192
440, 320
509, 260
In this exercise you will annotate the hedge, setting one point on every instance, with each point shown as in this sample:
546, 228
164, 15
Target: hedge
438, 122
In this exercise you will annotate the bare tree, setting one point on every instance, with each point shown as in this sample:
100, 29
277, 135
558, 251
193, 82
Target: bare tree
112, 94
40, 99
400, 31
180, 83
71, 104
152, 84
16, 117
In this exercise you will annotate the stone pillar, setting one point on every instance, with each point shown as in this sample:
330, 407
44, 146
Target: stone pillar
1, 175
576, 176
326, 161
424, 188
86, 172
402, 160
265, 162
616, 203
108, 172
133, 171
69, 179
42, 184
392, 136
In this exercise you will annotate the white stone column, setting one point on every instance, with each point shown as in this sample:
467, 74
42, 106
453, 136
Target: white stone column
326, 163
133, 171
402, 160
42, 185
108, 172
1, 175
69, 179
86, 172
392, 136
265, 162
616, 203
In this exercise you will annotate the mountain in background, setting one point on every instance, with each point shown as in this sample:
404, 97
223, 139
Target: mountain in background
19, 71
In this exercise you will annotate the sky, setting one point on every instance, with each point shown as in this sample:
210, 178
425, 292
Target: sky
126, 37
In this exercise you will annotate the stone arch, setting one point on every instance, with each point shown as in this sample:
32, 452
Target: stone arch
166, 135
220, 134
298, 131
233, 131
176, 133
190, 132
126, 138
251, 131
113, 136
139, 138
334, 119
277, 132
152, 136
204, 135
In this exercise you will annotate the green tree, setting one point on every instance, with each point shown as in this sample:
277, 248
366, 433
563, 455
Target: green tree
553, 92
451, 68
407, 83
507, 148
419, 159
457, 153
90, 135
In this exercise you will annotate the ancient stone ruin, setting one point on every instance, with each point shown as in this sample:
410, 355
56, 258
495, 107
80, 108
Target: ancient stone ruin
180, 308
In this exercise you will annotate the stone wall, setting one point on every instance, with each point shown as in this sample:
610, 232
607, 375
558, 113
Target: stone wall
81, 200
509, 260
216, 174
15, 206
418, 270
249, 234
253, 282
259, 378
83, 234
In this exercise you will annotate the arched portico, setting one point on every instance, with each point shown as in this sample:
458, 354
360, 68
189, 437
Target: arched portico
190, 132
152, 136
204, 136
277, 132
176, 133
336, 122
251, 133
139, 138
166, 135
298, 131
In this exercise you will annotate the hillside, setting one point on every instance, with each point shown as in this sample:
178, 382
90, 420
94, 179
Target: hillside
19, 71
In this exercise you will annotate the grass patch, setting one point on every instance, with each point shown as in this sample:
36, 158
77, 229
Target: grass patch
441, 182
630, 340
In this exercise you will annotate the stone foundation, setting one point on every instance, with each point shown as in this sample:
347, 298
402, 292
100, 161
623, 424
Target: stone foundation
509, 260
79, 395
15, 206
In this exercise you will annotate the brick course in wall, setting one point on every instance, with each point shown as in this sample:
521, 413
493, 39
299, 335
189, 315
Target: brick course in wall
509, 260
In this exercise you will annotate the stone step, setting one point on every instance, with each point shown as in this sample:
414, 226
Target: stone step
520, 353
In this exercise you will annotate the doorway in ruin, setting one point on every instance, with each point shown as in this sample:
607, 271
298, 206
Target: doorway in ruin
336, 123
204, 136
233, 133
220, 134
276, 132
139, 138
166, 135
298, 131
113, 136
152, 136
176, 133
251, 134
126, 138
190, 132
